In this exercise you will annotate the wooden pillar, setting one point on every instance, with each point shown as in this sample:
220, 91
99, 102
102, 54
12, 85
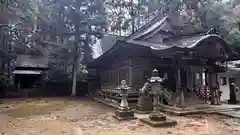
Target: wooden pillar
189, 79
206, 73
200, 80
118, 73
193, 80
178, 81
210, 84
215, 91
130, 73
181, 100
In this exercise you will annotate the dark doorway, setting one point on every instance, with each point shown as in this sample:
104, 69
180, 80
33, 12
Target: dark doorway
27, 81
170, 82
183, 75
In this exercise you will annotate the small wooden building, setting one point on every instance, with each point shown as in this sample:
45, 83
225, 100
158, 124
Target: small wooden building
189, 60
29, 70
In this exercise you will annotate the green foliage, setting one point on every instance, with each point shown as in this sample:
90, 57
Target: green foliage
123, 15
74, 26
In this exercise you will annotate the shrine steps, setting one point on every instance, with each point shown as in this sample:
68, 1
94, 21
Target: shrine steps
202, 108
190, 98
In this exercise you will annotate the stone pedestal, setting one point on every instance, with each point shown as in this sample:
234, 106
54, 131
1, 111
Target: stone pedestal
181, 100
158, 121
156, 118
232, 101
124, 114
144, 104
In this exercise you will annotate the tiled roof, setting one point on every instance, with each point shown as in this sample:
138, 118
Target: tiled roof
168, 34
154, 23
108, 41
27, 60
188, 42
176, 25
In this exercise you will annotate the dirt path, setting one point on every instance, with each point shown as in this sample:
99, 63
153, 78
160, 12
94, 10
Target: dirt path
85, 117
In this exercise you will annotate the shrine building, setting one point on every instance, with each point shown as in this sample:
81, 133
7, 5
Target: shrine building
187, 59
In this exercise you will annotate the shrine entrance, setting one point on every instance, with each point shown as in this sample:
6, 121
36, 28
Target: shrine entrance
168, 74
184, 79
180, 60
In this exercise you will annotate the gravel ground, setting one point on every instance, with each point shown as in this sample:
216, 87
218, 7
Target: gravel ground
86, 117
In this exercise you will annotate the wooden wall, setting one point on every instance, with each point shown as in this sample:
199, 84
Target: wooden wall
132, 70
139, 67
115, 72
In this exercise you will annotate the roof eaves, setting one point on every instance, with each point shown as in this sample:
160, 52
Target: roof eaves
149, 44
117, 44
215, 36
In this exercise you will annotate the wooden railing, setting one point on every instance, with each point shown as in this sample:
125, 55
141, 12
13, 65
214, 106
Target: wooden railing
167, 95
200, 91
132, 96
116, 96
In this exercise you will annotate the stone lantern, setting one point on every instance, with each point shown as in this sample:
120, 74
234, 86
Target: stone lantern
124, 88
158, 95
124, 112
156, 118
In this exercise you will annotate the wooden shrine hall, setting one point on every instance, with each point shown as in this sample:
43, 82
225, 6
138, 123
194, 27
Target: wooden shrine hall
188, 60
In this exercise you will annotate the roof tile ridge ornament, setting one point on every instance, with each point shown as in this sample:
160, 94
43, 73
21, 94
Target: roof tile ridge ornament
213, 31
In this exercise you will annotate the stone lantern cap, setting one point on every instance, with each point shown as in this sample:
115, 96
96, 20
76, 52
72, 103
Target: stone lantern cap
124, 85
155, 77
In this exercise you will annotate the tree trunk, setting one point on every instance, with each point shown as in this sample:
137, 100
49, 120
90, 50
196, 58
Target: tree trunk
139, 12
75, 58
75, 66
132, 14
9, 61
74, 78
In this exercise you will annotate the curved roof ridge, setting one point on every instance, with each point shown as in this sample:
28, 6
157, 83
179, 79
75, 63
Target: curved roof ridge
151, 23
204, 38
154, 46
152, 27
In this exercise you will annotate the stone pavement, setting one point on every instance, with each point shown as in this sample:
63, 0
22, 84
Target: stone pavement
233, 114
232, 111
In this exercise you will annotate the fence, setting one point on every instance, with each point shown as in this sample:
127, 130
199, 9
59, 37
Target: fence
49, 89
64, 88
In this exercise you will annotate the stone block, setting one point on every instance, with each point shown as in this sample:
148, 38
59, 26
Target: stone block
124, 114
144, 104
161, 123
232, 102
142, 112
157, 117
